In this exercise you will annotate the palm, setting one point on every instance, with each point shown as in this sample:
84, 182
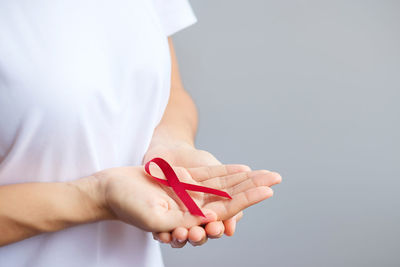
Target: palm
140, 200
185, 155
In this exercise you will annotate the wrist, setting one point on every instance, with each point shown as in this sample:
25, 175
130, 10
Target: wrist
166, 137
92, 195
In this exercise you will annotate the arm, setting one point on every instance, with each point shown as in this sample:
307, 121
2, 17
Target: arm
173, 139
178, 125
33, 208
126, 194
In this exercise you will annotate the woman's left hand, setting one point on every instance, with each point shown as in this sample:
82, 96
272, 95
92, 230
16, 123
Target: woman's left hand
185, 155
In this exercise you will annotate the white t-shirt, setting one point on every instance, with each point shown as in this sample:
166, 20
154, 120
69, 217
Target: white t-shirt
83, 84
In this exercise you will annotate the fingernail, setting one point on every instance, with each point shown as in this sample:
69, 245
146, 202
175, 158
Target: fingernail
178, 240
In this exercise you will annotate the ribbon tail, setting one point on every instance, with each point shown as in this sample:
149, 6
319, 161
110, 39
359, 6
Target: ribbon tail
204, 189
188, 201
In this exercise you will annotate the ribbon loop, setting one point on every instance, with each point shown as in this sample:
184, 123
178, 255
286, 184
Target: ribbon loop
180, 188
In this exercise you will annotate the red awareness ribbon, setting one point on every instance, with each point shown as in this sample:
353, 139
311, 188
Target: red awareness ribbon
180, 188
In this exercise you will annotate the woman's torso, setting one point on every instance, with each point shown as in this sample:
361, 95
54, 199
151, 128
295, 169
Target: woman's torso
83, 85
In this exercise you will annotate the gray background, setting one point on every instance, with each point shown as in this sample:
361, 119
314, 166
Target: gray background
309, 89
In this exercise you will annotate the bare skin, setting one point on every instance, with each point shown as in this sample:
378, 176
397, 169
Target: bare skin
129, 195
187, 155
173, 139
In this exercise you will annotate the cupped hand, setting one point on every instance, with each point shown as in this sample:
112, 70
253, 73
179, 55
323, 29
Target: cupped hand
135, 198
186, 155
183, 154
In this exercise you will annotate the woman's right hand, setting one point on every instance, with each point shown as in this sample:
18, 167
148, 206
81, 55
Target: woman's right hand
130, 195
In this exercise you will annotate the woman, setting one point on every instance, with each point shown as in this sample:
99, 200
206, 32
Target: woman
88, 87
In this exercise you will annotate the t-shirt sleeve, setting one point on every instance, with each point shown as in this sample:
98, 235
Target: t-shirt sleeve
174, 15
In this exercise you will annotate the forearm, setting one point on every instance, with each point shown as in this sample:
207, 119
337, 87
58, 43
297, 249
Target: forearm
33, 208
179, 122
180, 119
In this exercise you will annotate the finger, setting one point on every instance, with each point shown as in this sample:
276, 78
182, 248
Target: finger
180, 234
227, 181
215, 229
259, 178
186, 219
179, 237
230, 226
197, 236
204, 173
228, 208
164, 237
264, 177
